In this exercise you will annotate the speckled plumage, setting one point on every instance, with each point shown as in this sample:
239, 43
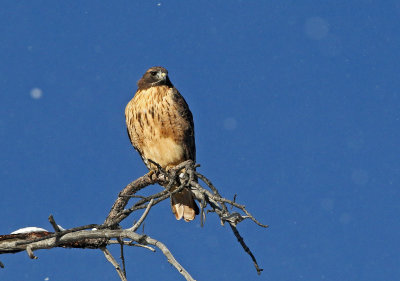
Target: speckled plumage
160, 127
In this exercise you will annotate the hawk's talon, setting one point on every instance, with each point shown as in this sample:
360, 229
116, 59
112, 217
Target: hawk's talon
150, 173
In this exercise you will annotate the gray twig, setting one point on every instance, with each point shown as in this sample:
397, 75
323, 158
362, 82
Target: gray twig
53, 224
246, 249
132, 244
112, 260
29, 250
122, 257
139, 222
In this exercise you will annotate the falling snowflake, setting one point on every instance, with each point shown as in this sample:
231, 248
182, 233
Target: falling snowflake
36, 93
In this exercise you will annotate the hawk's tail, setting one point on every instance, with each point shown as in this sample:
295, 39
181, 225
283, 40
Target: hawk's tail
183, 205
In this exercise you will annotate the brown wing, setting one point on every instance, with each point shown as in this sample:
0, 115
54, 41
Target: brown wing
182, 203
184, 111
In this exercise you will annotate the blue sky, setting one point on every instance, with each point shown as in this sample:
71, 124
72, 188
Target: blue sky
297, 111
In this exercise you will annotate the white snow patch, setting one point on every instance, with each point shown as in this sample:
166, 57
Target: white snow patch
60, 227
28, 230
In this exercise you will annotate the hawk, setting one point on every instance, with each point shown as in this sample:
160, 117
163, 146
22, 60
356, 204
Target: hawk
160, 127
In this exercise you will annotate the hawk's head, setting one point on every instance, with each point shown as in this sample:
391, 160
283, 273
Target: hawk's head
154, 76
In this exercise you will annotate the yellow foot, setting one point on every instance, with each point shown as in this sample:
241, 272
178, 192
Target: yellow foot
150, 173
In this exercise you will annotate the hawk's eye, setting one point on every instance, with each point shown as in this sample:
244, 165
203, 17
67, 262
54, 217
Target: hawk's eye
153, 73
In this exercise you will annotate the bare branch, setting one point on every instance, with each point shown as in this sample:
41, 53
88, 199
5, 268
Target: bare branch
244, 246
112, 260
137, 225
30, 252
53, 224
183, 175
130, 243
83, 235
43, 235
122, 200
170, 258
122, 257
241, 207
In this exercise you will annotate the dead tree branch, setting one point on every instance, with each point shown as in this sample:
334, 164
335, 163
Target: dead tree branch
96, 236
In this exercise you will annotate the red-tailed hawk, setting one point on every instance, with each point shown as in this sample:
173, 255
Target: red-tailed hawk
160, 127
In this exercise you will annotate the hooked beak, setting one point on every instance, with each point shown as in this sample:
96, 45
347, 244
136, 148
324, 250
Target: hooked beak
161, 75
